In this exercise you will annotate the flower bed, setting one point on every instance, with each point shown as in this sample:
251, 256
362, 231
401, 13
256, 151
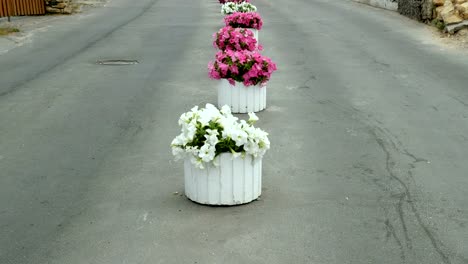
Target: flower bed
208, 132
234, 1
250, 68
232, 7
244, 20
229, 38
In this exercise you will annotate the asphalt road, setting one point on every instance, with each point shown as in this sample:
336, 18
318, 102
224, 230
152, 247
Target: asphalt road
368, 119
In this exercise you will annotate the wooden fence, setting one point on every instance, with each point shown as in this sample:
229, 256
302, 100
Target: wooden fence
21, 7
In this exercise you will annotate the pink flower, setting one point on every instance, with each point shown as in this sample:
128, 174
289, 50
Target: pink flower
234, 1
250, 68
223, 68
244, 20
229, 38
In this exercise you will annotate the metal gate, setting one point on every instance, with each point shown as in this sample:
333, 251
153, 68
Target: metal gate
21, 7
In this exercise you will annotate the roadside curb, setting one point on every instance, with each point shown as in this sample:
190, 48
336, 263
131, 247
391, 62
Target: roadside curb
384, 4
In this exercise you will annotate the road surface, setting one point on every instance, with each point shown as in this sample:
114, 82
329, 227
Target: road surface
368, 119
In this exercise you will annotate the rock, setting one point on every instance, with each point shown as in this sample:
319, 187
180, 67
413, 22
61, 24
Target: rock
53, 10
459, 2
449, 14
437, 11
60, 5
456, 27
439, 2
68, 10
463, 10
427, 8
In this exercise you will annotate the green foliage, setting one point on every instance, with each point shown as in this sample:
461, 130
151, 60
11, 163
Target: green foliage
8, 30
438, 24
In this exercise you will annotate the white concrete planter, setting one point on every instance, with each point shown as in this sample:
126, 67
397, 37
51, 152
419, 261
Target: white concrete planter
234, 181
240, 98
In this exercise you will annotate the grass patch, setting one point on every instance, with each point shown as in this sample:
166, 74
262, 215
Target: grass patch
438, 24
8, 30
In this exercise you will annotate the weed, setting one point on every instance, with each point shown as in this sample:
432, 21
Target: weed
438, 24
8, 30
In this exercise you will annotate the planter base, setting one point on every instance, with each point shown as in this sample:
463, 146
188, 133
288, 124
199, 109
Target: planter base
241, 99
236, 181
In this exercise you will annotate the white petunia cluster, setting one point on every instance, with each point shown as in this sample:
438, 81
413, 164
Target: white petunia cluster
231, 7
245, 7
228, 8
208, 132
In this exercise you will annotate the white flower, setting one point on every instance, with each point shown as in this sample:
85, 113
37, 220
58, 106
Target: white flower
205, 118
252, 148
240, 137
178, 152
231, 7
229, 123
197, 162
209, 113
187, 117
212, 139
226, 110
207, 153
265, 144
204, 129
189, 131
228, 8
235, 154
216, 161
246, 7
253, 118
192, 150
212, 132
250, 130
230, 129
180, 140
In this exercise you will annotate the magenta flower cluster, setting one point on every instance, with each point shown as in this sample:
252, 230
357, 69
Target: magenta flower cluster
234, 1
244, 20
239, 59
229, 38
250, 68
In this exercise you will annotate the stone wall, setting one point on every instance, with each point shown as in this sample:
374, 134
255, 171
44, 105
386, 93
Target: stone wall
58, 6
420, 10
410, 8
449, 14
453, 13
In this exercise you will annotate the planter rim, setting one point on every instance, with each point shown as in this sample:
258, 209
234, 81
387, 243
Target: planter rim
210, 164
241, 83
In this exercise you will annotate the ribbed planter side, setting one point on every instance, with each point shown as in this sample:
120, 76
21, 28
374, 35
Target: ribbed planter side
240, 98
255, 31
234, 181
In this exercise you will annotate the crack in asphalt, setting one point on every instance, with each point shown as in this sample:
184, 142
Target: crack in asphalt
401, 215
459, 100
388, 143
397, 156
406, 195
392, 233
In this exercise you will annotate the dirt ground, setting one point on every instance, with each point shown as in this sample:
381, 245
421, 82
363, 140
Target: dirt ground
458, 40
28, 26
